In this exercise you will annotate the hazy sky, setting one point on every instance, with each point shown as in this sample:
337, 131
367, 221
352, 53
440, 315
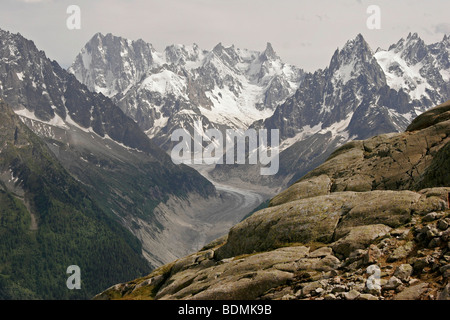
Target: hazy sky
304, 33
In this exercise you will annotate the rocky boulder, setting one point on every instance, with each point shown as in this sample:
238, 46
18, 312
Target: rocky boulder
325, 219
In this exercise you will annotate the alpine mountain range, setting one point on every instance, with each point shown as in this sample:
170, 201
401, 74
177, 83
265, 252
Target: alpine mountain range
105, 124
360, 94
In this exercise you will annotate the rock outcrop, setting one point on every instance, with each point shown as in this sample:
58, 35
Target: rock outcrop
359, 227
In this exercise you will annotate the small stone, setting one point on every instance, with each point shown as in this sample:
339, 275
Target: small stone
420, 264
375, 290
413, 292
445, 293
401, 252
422, 253
355, 265
358, 253
384, 243
445, 270
372, 255
351, 295
336, 280
433, 233
367, 297
435, 267
392, 284
299, 294
424, 229
400, 288
431, 217
333, 273
340, 296
276, 295
442, 225
310, 287
321, 252
428, 233
435, 242
318, 291
338, 288
445, 235
404, 272
329, 296
359, 287
400, 233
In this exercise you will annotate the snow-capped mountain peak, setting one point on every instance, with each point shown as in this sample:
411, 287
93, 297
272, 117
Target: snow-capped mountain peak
417, 69
226, 86
187, 56
110, 64
269, 53
229, 87
352, 60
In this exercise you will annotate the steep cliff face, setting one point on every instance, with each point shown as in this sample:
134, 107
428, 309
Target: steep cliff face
362, 213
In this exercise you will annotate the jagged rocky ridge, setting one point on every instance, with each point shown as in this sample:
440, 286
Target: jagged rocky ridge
324, 237
360, 94
225, 87
127, 174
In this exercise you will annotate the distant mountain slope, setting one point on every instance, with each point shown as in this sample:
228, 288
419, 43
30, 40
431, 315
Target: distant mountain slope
49, 221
